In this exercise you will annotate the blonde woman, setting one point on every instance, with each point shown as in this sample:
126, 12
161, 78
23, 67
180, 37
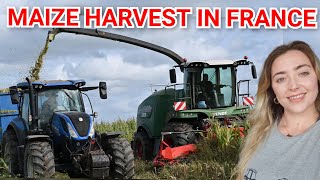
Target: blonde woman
284, 138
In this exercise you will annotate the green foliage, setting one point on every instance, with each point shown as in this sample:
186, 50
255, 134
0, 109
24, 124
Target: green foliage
222, 146
128, 127
196, 169
216, 157
144, 170
5, 90
4, 172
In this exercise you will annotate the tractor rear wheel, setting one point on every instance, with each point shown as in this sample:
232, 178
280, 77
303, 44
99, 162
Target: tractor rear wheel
10, 151
122, 162
142, 146
180, 139
39, 160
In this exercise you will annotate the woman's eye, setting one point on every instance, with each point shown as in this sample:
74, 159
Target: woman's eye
280, 80
306, 73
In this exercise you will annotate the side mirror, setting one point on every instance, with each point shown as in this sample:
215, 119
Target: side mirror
103, 90
254, 71
95, 114
173, 78
14, 94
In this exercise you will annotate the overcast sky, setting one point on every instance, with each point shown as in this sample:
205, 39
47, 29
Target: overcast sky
129, 70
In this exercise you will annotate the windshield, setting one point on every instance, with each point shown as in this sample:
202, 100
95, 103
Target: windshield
211, 87
222, 84
53, 100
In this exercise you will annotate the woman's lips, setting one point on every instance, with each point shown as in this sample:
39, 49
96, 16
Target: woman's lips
296, 98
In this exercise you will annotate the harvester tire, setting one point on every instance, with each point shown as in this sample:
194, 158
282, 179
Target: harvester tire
39, 160
10, 151
122, 162
142, 146
180, 139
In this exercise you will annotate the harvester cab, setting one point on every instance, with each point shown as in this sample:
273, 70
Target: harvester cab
212, 84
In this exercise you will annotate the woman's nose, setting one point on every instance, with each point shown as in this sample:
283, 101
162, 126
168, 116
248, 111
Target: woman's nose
293, 84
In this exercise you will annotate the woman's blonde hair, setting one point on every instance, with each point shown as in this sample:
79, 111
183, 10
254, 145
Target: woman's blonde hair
266, 111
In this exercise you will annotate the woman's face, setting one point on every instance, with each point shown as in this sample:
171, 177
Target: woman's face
294, 82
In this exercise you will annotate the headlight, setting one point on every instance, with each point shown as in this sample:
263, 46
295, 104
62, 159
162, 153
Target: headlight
71, 131
91, 133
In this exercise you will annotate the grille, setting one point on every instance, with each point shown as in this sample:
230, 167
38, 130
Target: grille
82, 127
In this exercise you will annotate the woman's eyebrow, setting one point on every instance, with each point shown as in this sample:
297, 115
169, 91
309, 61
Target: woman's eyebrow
296, 68
278, 73
302, 65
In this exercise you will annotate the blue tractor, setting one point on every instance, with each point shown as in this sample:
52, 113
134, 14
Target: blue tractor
52, 132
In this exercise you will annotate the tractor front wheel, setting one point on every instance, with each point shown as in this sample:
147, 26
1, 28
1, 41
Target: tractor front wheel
180, 139
142, 146
10, 151
39, 160
122, 162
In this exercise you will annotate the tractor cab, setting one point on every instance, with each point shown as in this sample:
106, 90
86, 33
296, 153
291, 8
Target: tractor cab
58, 100
40, 100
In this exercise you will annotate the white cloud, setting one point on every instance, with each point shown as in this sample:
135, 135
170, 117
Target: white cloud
11, 74
113, 67
53, 71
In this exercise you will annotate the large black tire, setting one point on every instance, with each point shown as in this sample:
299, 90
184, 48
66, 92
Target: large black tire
142, 146
10, 144
180, 139
122, 162
39, 160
